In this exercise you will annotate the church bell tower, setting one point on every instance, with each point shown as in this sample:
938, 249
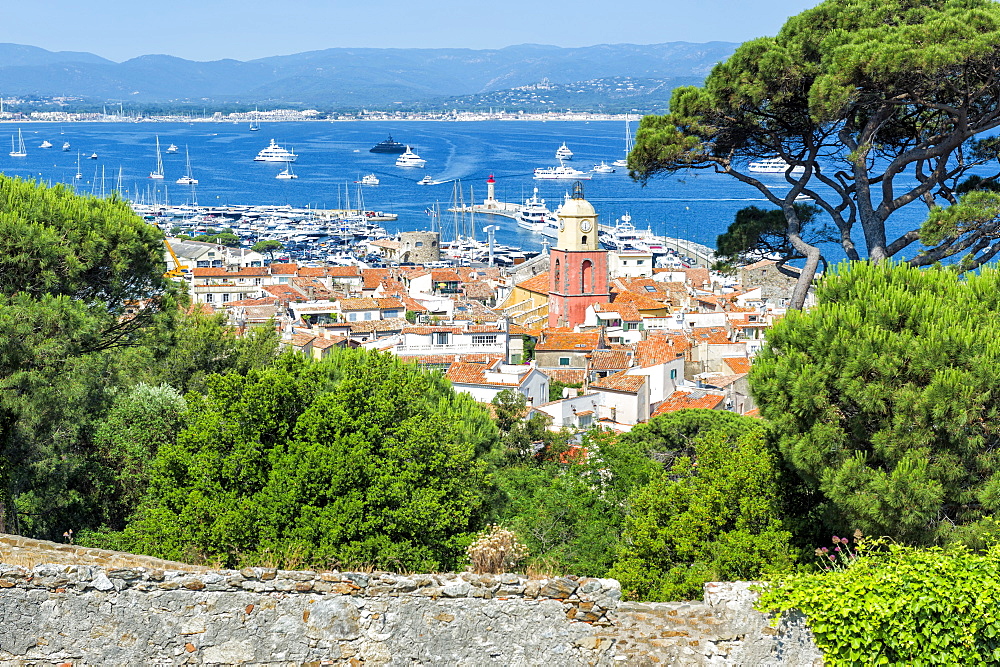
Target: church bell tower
578, 268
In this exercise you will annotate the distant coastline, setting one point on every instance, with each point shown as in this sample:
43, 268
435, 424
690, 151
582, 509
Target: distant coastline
292, 115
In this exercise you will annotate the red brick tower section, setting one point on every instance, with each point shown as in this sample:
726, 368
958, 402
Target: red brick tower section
578, 268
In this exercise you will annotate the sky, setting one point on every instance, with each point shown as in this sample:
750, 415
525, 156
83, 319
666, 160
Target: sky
246, 29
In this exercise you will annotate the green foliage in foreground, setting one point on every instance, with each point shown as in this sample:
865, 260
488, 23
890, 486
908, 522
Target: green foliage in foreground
569, 508
715, 515
885, 399
359, 459
902, 606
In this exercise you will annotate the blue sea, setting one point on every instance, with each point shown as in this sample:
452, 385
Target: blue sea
696, 205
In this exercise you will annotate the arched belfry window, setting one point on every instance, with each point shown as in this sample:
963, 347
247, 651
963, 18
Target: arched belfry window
587, 277
583, 241
558, 276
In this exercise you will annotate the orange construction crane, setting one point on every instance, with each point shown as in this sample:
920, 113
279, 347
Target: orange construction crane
175, 272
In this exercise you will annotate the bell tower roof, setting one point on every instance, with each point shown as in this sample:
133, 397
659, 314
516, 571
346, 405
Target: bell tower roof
577, 222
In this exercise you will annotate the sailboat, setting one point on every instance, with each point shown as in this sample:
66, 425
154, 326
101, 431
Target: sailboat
19, 150
287, 172
254, 123
628, 146
158, 174
66, 146
187, 179
79, 174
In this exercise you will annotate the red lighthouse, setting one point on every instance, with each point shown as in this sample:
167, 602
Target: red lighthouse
578, 268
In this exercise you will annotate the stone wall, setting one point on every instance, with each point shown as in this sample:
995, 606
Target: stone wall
83, 615
25, 551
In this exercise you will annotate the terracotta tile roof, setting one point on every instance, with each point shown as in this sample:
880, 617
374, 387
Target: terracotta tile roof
759, 264
206, 271
302, 339
738, 364
472, 310
386, 243
721, 381
283, 269
660, 348
464, 373
566, 375
372, 278
389, 302
698, 277
427, 330
627, 312
710, 335
312, 271
621, 381
445, 276
610, 360
577, 342
640, 301
265, 301
322, 343
363, 303
753, 413
681, 400
343, 271
538, 284
483, 328
439, 359
478, 289
390, 324
413, 304
285, 293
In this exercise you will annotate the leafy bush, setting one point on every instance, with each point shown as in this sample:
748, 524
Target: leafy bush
715, 515
900, 605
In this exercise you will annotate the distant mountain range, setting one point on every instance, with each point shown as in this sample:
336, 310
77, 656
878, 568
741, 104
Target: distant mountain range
350, 78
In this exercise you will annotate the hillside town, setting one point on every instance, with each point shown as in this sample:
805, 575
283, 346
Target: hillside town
585, 336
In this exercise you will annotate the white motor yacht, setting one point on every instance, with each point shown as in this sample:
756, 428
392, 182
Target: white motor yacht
564, 153
562, 172
774, 165
369, 179
410, 159
603, 168
275, 153
534, 215
172, 148
45, 144
426, 180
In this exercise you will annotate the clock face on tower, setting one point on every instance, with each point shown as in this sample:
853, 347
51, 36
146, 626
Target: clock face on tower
585, 226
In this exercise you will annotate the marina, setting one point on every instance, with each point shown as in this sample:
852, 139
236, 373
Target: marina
333, 156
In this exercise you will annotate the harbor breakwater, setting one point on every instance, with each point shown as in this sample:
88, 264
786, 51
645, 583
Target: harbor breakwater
84, 614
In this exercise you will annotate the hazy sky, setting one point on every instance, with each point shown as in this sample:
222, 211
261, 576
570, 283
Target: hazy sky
247, 29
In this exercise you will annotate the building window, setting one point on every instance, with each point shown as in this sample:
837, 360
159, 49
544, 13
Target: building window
557, 273
441, 338
256, 281
564, 361
640, 262
368, 316
587, 277
673, 373
209, 298
583, 241
225, 297
202, 264
419, 244
484, 339
353, 317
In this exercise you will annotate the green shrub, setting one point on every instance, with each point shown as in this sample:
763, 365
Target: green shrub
900, 605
